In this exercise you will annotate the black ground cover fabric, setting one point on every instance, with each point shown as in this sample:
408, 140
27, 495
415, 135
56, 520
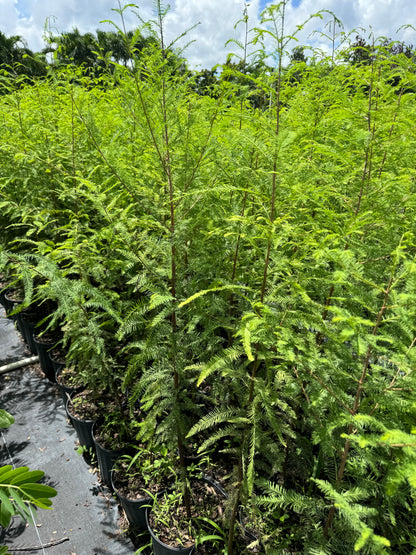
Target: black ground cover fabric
41, 438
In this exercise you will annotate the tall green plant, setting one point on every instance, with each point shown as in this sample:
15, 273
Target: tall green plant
178, 143
362, 253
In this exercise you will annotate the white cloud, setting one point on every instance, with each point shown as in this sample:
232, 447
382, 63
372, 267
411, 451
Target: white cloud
381, 17
217, 19
9, 15
384, 17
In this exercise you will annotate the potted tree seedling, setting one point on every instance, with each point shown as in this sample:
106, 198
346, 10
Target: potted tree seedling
140, 476
170, 526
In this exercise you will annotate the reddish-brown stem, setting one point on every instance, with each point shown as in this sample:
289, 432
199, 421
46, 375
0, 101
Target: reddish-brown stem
365, 176
238, 239
390, 133
255, 363
168, 172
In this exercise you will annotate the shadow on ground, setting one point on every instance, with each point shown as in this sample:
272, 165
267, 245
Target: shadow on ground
83, 511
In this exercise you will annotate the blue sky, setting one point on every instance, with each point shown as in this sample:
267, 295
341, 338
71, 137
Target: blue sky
22, 8
263, 3
217, 20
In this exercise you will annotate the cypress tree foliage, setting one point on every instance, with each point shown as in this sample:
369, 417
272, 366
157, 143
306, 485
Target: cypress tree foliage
247, 273
341, 184
178, 141
358, 335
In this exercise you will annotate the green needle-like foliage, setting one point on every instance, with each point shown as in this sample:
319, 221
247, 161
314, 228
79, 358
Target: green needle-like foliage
240, 263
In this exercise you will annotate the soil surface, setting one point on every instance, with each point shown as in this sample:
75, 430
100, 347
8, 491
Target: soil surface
84, 405
48, 337
58, 355
68, 377
115, 435
14, 294
131, 484
206, 502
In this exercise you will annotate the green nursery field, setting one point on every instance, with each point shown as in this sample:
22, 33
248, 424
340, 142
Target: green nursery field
241, 261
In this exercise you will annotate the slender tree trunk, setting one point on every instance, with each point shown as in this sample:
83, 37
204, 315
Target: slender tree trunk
255, 364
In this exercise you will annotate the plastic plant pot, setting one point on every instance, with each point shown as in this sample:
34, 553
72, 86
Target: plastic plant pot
160, 548
106, 458
10, 305
44, 358
83, 428
135, 509
27, 322
65, 390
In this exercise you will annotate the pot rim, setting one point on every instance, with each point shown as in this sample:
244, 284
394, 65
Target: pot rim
181, 550
115, 451
72, 416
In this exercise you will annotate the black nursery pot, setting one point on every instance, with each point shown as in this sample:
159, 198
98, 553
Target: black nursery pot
160, 548
10, 304
43, 347
65, 390
106, 458
2, 298
83, 428
57, 363
27, 323
135, 509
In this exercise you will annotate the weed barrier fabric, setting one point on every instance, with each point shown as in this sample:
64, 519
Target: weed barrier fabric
84, 514
12, 348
